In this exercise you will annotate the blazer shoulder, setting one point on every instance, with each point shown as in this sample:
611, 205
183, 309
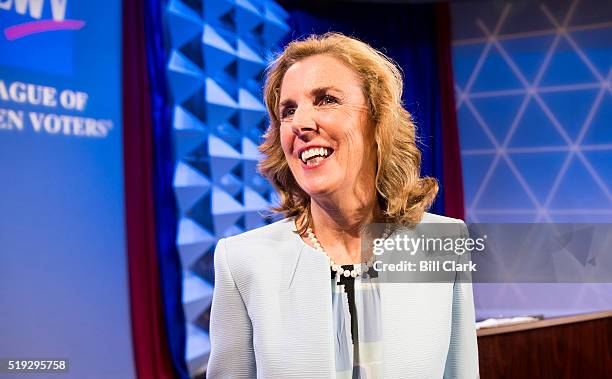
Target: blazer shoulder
431, 218
277, 231
262, 245
437, 224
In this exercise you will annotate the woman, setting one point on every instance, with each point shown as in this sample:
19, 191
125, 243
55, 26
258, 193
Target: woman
341, 152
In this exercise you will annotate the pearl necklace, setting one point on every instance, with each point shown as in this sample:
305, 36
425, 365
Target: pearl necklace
338, 268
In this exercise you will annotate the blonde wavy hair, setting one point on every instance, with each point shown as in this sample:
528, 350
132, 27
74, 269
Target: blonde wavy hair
403, 195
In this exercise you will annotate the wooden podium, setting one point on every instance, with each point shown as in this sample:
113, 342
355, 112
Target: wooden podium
566, 347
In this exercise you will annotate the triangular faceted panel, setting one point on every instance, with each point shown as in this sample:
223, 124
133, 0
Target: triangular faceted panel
250, 64
220, 105
566, 67
277, 9
253, 201
237, 171
185, 77
254, 134
578, 180
495, 74
571, 108
221, 38
219, 63
197, 348
539, 170
253, 86
261, 185
249, 102
233, 230
184, 120
204, 266
249, 121
197, 296
224, 203
535, 129
464, 61
247, 16
219, 148
275, 27
192, 241
184, 23
229, 134
228, 20
528, 53
252, 178
188, 132
192, 50
253, 220
258, 30
504, 191
230, 184
196, 104
218, 52
474, 169
189, 185
601, 160
600, 130
597, 46
472, 136
215, 9
223, 157
199, 159
225, 210
499, 113
201, 212
221, 166
231, 69
249, 150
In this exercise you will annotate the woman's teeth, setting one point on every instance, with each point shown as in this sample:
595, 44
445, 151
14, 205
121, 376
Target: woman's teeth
317, 153
314, 161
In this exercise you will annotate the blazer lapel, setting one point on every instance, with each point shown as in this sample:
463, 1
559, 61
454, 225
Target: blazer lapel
309, 280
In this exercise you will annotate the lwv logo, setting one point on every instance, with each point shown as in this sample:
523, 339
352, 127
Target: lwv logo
34, 9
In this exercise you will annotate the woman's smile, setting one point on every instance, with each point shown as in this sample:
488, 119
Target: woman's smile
313, 157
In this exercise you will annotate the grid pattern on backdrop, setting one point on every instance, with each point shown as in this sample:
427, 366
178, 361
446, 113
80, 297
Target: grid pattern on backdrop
533, 84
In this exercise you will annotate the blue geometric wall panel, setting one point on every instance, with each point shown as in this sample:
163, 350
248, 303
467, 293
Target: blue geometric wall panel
533, 84
218, 52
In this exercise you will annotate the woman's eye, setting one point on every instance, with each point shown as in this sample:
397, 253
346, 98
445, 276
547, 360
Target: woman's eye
328, 99
287, 112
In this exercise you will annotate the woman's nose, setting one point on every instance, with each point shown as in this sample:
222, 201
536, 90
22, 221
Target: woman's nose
303, 121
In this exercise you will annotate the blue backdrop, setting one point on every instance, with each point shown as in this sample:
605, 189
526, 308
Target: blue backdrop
63, 274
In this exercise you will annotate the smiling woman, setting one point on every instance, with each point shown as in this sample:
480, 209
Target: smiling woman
341, 152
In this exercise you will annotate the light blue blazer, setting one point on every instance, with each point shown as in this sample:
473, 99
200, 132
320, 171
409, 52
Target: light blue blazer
271, 314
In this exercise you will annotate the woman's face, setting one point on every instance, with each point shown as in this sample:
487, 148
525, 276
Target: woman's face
324, 127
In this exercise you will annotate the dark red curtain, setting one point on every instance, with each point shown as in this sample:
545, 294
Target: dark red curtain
151, 355
451, 157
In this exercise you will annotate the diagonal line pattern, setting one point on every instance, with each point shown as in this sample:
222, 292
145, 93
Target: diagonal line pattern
532, 93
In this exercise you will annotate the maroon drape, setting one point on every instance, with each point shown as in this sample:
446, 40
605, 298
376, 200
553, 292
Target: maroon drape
151, 355
451, 155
